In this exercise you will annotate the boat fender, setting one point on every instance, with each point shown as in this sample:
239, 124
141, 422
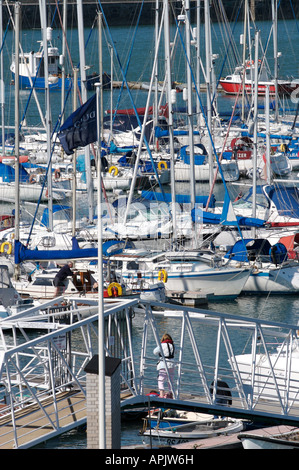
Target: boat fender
283, 148
162, 164
162, 276
9, 249
113, 170
57, 173
114, 288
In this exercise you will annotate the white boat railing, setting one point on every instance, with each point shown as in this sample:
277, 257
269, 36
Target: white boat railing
42, 365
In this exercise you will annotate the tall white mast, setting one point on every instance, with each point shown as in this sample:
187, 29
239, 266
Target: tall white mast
208, 85
275, 52
254, 175
89, 181
42, 7
170, 112
190, 103
2, 90
244, 58
198, 22
62, 58
17, 123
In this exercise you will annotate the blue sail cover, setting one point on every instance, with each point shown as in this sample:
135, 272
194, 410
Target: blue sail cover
165, 132
25, 254
180, 198
249, 249
242, 248
111, 247
200, 154
204, 217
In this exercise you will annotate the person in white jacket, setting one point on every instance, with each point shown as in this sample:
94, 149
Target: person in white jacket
167, 349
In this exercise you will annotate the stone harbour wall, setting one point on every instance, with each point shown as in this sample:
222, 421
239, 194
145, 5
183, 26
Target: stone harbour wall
126, 13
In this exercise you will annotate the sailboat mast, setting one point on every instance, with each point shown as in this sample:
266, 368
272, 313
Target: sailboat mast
100, 26
198, 108
2, 90
143, 127
17, 119
268, 143
170, 112
74, 178
208, 85
190, 107
62, 58
274, 19
254, 175
244, 58
42, 7
89, 181
156, 100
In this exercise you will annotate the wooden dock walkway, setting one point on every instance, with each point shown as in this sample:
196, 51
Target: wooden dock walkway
33, 425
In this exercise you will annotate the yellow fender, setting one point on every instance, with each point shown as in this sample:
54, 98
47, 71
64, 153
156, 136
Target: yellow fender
162, 275
162, 164
113, 170
9, 249
118, 287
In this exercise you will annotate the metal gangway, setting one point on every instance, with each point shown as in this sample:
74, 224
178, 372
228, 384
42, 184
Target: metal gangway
45, 351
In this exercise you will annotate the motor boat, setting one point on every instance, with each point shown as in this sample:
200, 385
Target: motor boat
180, 271
232, 84
32, 69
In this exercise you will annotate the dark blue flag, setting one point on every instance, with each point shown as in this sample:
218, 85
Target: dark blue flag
80, 128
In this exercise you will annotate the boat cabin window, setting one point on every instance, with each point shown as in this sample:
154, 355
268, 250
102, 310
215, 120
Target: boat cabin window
42, 282
116, 264
132, 265
184, 259
159, 259
246, 203
229, 78
132, 214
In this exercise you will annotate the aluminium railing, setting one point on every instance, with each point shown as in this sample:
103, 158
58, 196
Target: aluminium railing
253, 363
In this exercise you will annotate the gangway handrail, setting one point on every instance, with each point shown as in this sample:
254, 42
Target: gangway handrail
54, 362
